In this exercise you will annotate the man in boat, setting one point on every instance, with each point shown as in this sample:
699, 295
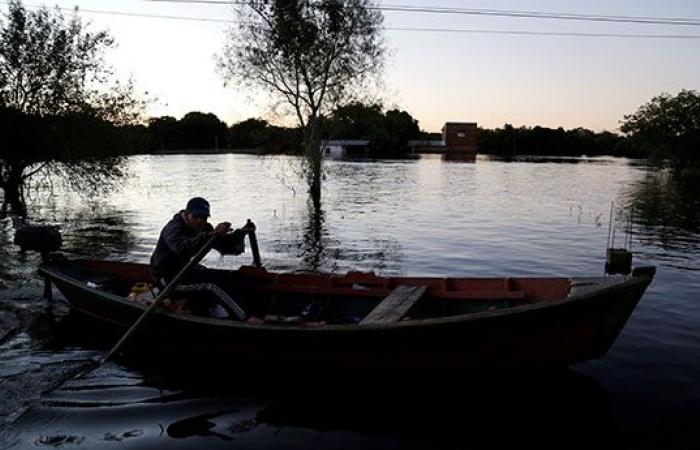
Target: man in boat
181, 238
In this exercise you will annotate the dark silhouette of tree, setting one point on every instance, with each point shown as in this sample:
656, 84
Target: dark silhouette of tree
249, 134
195, 131
202, 131
354, 120
510, 142
60, 112
258, 134
667, 128
389, 138
165, 132
388, 133
311, 55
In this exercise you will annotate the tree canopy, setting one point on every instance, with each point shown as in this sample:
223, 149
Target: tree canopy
510, 141
388, 132
258, 134
667, 127
60, 105
311, 55
48, 62
203, 130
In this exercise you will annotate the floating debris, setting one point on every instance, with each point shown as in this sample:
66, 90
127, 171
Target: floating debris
121, 436
58, 440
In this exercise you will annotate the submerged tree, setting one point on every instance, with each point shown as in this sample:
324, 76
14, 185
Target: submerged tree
667, 128
61, 112
312, 55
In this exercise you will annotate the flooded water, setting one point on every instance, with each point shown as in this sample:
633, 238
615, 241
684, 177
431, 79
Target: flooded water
422, 217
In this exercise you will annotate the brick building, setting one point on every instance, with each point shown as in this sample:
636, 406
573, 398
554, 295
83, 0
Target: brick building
458, 142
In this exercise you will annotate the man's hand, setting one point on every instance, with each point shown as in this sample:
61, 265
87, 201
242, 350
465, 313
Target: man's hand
249, 226
222, 228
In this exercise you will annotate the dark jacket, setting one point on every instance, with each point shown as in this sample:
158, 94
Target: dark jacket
176, 246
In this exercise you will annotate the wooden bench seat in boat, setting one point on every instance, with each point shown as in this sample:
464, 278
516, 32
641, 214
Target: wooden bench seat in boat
496, 294
395, 305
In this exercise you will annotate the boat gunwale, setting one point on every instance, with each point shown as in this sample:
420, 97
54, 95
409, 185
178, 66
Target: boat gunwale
623, 282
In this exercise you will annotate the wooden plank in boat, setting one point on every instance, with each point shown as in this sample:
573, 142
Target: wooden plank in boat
479, 295
395, 305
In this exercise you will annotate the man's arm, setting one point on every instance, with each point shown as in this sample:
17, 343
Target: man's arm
180, 242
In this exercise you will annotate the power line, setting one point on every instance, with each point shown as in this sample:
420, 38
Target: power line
132, 14
399, 29
547, 33
643, 20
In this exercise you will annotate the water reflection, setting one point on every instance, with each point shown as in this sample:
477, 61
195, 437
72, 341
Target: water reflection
552, 409
100, 233
420, 217
94, 230
318, 247
666, 208
553, 159
542, 410
314, 243
199, 425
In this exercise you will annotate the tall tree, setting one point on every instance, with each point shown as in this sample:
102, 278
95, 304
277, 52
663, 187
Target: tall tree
311, 55
667, 127
53, 82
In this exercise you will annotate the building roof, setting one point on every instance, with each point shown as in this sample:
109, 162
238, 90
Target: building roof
425, 143
346, 142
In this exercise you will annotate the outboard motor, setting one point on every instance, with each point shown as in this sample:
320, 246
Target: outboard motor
44, 239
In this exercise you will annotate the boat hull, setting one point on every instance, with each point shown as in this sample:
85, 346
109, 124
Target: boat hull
559, 333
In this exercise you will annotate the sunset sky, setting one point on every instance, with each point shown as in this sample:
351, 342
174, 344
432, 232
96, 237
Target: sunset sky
482, 75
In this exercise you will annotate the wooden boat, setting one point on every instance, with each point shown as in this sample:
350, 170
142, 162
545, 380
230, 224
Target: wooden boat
370, 320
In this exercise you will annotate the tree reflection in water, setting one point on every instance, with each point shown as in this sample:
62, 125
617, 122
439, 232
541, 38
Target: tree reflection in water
666, 208
545, 409
418, 408
315, 241
318, 251
94, 230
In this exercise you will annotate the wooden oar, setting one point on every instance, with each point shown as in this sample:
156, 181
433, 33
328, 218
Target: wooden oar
162, 296
253, 244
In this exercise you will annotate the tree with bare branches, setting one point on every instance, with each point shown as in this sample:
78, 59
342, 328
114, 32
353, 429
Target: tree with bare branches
311, 55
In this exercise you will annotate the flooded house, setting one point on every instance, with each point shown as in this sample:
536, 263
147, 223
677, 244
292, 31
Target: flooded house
457, 142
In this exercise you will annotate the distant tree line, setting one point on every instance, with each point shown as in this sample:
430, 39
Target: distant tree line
510, 141
665, 129
204, 131
388, 132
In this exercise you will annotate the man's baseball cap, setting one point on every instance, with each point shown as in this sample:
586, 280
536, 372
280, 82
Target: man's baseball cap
198, 206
